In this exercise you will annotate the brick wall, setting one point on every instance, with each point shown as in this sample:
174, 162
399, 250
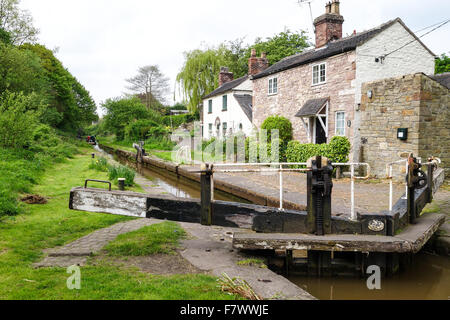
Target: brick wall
294, 89
413, 101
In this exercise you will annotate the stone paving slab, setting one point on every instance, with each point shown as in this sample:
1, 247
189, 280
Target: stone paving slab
77, 252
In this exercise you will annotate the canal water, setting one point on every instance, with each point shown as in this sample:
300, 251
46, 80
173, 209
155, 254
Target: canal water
177, 186
428, 278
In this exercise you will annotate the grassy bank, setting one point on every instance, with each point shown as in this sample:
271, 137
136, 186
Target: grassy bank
38, 227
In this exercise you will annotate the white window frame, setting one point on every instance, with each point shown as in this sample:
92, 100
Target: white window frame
312, 74
336, 124
270, 90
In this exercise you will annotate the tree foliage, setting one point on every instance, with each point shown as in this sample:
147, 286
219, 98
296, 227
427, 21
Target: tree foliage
18, 23
122, 111
17, 122
199, 75
151, 84
66, 95
442, 64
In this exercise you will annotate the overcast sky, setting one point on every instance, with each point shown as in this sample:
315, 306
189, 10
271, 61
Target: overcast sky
103, 42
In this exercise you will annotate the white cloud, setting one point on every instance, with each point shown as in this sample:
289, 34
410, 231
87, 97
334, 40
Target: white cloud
103, 42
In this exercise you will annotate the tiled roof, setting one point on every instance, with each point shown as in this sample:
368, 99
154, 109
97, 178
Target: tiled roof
331, 49
245, 101
312, 107
443, 79
226, 87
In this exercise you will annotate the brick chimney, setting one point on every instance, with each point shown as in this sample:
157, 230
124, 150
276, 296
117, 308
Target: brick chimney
329, 25
225, 76
257, 65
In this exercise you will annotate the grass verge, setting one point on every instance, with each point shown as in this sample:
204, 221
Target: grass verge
158, 238
24, 236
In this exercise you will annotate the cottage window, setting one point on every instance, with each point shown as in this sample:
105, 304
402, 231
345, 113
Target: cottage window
224, 103
319, 74
340, 123
273, 85
210, 129
224, 128
210, 106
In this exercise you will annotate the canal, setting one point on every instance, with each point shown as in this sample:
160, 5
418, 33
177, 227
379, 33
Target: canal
427, 278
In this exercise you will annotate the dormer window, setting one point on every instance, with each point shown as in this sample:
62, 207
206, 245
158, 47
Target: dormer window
319, 72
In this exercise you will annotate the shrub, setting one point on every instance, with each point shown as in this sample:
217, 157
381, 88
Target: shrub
100, 164
337, 151
16, 122
139, 130
283, 125
116, 172
178, 120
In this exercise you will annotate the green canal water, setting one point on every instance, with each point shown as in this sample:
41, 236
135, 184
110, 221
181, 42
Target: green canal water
428, 278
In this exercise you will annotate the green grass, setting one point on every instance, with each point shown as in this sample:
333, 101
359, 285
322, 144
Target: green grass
158, 238
252, 263
24, 236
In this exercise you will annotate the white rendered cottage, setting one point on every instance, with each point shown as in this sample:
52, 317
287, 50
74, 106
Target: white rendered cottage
228, 109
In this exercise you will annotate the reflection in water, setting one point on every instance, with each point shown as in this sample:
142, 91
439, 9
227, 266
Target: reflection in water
427, 279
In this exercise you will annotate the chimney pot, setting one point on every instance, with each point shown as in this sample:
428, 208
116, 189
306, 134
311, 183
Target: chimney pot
328, 27
257, 65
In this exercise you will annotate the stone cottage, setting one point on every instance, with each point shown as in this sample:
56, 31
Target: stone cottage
319, 90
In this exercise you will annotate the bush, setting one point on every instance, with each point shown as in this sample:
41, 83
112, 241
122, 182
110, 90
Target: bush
178, 120
16, 122
116, 172
337, 151
283, 125
100, 164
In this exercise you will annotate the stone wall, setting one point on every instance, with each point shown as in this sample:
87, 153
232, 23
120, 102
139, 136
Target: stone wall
415, 102
295, 88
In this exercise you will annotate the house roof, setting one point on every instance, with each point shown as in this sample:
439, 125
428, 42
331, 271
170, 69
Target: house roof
443, 79
312, 107
226, 87
245, 101
331, 49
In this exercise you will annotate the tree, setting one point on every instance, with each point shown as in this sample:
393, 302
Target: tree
18, 23
442, 64
21, 71
199, 75
120, 112
152, 84
5, 37
280, 46
67, 96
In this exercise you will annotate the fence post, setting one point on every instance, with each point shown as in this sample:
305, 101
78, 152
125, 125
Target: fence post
430, 173
205, 182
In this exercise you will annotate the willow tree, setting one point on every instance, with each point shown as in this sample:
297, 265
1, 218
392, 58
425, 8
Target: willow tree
199, 75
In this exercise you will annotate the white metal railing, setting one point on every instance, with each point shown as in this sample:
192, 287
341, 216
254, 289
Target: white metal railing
280, 170
389, 173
